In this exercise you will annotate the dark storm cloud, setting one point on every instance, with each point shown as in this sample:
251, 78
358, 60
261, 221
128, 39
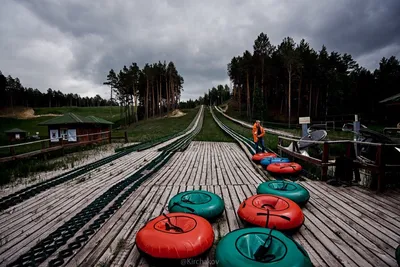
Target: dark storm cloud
72, 44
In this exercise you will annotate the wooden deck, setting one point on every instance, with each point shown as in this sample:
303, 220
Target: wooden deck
343, 227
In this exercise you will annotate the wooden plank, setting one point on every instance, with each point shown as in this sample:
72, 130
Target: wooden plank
222, 179
229, 209
241, 195
167, 175
235, 203
316, 260
212, 178
223, 164
166, 169
302, 157
45, 207
182, 179
222, 221
203, 174
100, 182
172, 167
341, 231
100, 243
33, 233
337, 205
246, 166
206, 261
199, 178
371, 207
134, 254
63, 189
318, 247
384, 197
369, 198
242, 170
154, 210
232, 177
248, 193
191, 173
375, 213
327, 238
361, 240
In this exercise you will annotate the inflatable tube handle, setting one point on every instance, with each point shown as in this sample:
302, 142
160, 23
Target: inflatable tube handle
292, 166
177, 204
187, 201
284, 187
268, 205
267, 214
261, 253
170, 226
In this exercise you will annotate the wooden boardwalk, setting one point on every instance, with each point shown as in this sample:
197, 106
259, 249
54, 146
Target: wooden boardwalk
344, 226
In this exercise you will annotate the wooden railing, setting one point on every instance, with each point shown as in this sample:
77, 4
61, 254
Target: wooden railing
45, 147
377, 165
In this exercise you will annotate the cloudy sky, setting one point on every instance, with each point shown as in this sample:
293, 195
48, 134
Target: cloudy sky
70, 45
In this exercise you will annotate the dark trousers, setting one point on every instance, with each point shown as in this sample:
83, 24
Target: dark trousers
260, 142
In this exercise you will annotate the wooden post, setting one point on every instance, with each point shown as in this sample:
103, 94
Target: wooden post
348, 149
381, 167
109, 136
349, 154
12, 151
280, 144
325, 158
126, 137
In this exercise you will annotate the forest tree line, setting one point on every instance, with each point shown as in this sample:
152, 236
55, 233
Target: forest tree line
215, 96
147, 92
292, 80
13, 94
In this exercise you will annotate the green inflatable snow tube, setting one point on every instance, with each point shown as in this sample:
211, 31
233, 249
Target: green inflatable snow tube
260, 247
398, 255
202, 203
290, 190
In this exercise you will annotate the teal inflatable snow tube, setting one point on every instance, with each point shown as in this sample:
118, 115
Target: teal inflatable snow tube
290, 190
266, 161
260, 247
202, 203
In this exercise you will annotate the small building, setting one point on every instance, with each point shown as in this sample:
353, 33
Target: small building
16, 134
72, 128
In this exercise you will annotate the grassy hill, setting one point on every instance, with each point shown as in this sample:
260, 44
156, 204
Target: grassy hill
28, 119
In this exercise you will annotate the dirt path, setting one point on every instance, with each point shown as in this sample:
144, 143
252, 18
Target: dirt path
22, 113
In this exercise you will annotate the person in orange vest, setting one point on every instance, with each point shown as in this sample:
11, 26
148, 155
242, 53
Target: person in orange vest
258, 136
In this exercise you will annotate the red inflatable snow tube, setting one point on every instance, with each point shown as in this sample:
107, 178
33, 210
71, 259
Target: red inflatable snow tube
284, 168
175, 236
272, 211
259, 156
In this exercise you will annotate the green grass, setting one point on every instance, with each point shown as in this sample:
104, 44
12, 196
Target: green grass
270, 140
108, 113
295, 129
138, 132
31, 125
25, 168
211, 131
158, 127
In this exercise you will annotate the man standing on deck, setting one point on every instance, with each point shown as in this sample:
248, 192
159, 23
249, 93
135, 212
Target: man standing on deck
258, 135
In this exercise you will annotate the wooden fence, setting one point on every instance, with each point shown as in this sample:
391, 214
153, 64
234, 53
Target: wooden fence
46, 147
377, 165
